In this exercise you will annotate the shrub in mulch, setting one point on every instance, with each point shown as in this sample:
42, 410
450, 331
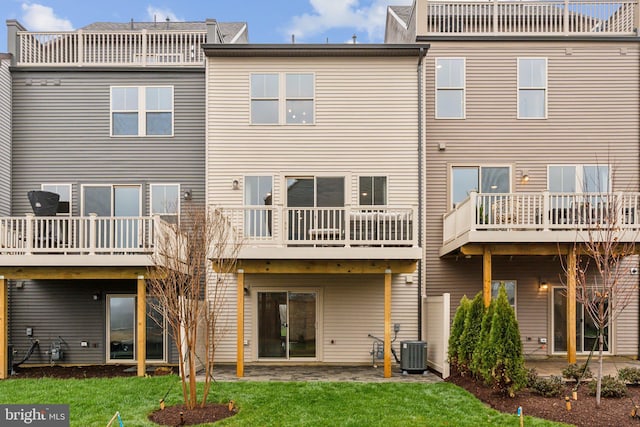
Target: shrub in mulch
548, 387
611, 387
629, 375
575, 372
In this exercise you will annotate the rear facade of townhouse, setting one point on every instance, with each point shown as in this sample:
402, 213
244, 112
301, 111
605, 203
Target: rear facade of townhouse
111, 119
531, 141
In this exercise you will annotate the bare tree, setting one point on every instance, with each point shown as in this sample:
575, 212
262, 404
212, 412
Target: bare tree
605, 254
193, 263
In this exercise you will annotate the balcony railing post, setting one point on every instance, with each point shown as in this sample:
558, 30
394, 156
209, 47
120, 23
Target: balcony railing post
636, 17
144, 48
28, 247
565, 21
92, 233
620, 210
495, 16
154, 233
421, 12
473, 209
80, 42
281, 224
545, 210
414, 226
347, 225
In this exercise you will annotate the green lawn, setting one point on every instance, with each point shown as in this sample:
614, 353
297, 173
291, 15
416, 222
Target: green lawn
93, 402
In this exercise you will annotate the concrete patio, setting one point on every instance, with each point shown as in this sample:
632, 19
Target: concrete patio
554, 365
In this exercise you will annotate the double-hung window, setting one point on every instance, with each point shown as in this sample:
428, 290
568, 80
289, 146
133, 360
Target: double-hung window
165, 201
509, 286
282, 98
141, 111
450, 84
532, 88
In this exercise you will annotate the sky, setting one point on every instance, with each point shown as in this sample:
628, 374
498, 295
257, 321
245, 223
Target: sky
270, 21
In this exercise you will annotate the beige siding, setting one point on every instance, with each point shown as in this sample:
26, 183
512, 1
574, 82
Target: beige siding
350, 307
593, 110
5, 136
366, 123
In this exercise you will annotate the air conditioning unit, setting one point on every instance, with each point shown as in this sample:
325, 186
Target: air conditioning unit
413, 357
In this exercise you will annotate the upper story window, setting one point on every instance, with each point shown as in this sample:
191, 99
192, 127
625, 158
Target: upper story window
282, 98
532, 88
165, 201
373, 190
141, 111
483, 179
64, 190
450, 86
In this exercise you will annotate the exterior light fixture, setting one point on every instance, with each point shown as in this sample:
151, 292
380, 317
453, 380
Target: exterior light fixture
543, 285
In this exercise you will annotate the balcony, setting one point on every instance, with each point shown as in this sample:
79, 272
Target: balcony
527, 18
541, 218
326, 233
91, 240
141, 48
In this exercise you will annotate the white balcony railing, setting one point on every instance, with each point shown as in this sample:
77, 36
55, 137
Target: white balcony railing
541, 17
543, 212
92, 235
113, 48
346, 226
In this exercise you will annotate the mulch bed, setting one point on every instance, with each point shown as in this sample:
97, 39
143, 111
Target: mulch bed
179, 416
612, 412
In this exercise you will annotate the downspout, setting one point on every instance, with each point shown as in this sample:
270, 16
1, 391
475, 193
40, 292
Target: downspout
421, 55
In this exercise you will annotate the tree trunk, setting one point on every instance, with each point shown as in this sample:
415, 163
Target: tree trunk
600, 356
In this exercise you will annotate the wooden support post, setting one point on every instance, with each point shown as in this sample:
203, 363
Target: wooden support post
4, 344
486, 276
141, 342
571, 305
387, 324
240, 333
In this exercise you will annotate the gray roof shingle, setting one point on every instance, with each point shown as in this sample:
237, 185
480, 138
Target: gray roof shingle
403, 12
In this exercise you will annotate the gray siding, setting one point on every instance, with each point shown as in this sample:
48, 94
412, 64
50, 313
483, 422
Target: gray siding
61, 134
5, 137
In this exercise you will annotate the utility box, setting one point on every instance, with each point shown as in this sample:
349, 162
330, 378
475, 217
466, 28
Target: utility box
413, 357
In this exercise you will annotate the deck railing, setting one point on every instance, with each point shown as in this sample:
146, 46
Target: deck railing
114, 48
541, 17
543, 211
345, 226
91, 235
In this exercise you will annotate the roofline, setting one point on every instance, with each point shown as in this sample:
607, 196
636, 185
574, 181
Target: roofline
306, 50
512, 38
394, 15
238, 34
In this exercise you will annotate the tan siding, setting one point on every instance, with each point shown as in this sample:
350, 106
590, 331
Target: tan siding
5, 137
366, 123
351, 307
593, 115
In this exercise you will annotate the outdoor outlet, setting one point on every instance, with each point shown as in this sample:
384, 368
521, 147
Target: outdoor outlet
542, 340
29, 332
246, 342
396, 327
84, 344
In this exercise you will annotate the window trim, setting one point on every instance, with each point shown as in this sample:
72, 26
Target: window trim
463, 88
112, 186
178, 205
452, 166
386, 193
142, 111
545, 89
282, 99
61, 184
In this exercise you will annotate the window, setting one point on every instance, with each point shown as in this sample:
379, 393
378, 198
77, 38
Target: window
373, 190
450, 81
509, 286
165, 201
258, 194
142, 111
264, 98
532, 88
578, 179
282, 98
483, 179
64, 190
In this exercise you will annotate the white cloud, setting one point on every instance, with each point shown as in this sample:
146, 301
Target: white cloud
328, 14
37, 17
157, 14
